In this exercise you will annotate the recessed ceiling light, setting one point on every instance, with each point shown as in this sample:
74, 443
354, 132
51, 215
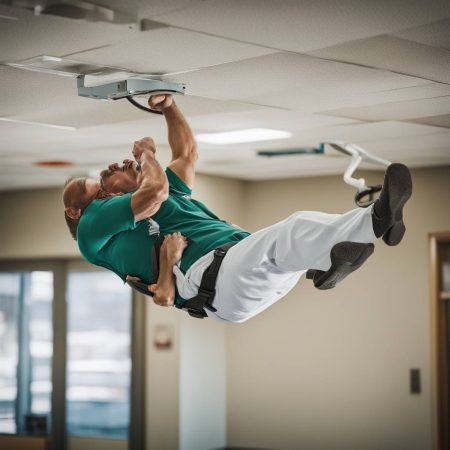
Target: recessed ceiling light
240, 136
40, 124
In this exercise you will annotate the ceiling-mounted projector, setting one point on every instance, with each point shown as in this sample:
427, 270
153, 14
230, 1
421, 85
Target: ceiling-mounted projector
128, 88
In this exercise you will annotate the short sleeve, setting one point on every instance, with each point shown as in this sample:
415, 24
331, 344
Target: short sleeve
176, 184
105, 218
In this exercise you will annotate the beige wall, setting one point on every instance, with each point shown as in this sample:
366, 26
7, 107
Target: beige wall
330, 369
32, 225
318, 370
186, 385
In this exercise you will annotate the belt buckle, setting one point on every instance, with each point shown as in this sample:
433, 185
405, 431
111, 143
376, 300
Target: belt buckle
220, 252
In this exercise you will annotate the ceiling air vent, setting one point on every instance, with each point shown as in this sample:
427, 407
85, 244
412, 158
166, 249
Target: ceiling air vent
292, 151
72, 9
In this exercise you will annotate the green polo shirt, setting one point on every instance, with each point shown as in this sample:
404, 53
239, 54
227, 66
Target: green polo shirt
109, 237
204, 230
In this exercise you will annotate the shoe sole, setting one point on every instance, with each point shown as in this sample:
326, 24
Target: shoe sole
346, 257
399, 187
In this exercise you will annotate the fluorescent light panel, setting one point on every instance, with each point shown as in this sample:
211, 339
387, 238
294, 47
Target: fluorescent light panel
241, 136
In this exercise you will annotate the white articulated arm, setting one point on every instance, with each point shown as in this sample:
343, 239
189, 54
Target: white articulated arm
358, 155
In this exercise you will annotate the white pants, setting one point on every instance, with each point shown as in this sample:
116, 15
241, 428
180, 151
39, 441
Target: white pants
266, 265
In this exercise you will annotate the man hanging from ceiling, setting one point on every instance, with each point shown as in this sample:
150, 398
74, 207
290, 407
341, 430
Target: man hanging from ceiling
120, 241
224, 271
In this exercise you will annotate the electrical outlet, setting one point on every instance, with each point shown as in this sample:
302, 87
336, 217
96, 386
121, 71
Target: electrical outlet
414, 381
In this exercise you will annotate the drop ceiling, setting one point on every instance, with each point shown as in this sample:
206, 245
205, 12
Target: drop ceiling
372, 73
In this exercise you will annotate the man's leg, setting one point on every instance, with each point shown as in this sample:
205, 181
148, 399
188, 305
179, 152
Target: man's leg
387, 221
265, 266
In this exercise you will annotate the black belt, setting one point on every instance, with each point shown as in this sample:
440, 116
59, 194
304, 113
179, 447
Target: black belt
196, 306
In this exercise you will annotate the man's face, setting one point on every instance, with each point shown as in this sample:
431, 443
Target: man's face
120, 178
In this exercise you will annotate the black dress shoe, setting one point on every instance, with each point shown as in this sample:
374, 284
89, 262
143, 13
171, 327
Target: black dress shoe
346, 257
387, 213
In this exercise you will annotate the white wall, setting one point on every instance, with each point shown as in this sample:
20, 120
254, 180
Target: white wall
203, 343
330, 369
202, 385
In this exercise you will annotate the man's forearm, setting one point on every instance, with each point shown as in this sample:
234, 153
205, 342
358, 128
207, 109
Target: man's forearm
164, 294
152, 188
181, 138
152, 174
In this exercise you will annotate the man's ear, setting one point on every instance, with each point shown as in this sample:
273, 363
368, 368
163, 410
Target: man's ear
73, 213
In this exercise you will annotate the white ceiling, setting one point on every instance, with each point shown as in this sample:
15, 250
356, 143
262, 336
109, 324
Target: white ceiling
372, 73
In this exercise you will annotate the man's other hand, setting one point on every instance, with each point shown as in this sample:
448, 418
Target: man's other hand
144, 144
173, 247
160, 102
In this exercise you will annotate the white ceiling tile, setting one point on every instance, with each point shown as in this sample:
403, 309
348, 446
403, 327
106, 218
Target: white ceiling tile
286, 79
307, 25
278, 167
165, 50
434, 34
423, 91
371, 132
25, 92
89, 113
32, 36
405, 110
407, 142
423, 157
293, 121
436, 121
391, 53
85, 112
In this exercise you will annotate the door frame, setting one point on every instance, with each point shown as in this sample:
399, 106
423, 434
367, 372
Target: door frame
439, 345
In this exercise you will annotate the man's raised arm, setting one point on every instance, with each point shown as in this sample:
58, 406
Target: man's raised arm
181, 138
152, 182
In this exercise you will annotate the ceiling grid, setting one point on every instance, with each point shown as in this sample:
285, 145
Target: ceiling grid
372, 73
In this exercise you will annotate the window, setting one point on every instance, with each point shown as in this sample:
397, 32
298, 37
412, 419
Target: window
26, 342
65, 355
98, 360
9, 349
